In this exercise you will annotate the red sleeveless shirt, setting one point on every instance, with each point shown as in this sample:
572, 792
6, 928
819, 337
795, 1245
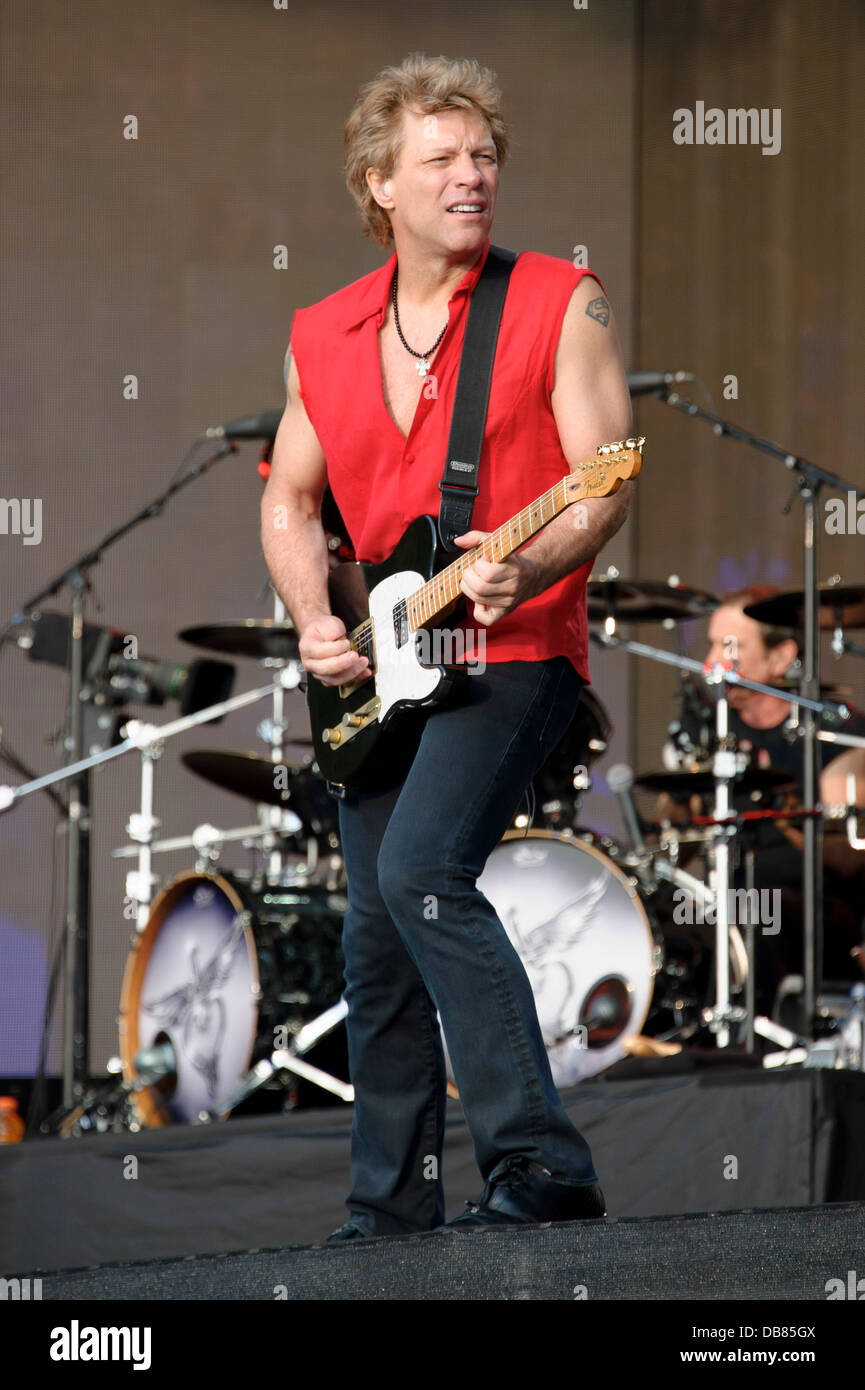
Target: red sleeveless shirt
381, 481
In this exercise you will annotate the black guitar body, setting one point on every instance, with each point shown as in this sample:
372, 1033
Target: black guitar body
378, 755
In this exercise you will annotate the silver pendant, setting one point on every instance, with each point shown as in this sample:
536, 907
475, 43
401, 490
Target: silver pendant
422, 367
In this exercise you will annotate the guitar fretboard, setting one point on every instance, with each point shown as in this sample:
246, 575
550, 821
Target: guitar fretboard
440, 591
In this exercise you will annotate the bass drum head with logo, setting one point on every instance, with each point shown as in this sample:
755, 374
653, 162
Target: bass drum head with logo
191, 981
585, 940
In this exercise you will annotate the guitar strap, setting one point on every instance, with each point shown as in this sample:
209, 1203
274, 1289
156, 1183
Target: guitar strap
459, 484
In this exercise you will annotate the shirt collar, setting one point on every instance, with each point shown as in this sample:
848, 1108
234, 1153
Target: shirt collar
375, 298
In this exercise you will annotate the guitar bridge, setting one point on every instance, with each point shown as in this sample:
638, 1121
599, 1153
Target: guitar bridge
346, 690
351, 724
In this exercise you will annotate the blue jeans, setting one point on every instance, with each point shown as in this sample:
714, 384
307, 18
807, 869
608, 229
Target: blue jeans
420, 937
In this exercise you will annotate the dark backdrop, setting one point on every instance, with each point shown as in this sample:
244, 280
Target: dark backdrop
154, 257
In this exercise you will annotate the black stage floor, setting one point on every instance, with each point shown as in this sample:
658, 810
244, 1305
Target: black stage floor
676, 1142
792, 1255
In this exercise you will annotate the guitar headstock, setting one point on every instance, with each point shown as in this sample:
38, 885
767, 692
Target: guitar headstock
605, 474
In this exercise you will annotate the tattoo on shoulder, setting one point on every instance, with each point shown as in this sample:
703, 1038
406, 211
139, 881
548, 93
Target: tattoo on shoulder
286, 368
599, 310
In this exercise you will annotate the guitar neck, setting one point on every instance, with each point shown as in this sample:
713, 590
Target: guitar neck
440, 591
596, 477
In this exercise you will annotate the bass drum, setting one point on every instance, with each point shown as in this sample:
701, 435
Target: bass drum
221, 964
602, 957
584, 937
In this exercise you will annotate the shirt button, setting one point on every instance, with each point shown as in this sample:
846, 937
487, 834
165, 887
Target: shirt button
409, 458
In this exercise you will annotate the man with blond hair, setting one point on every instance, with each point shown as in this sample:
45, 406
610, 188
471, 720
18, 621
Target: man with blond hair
370, 376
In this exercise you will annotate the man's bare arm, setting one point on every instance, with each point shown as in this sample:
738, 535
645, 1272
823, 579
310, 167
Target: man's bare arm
833, 779
292, 536
591, 406
294, 543
838, 853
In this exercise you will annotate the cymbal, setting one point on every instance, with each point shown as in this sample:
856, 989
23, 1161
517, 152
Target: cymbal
788, 610
645, 601
301, 789
249, 774
257, 638
701, 781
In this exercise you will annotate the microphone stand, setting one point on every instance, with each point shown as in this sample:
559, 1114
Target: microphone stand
810, 478
76, 1031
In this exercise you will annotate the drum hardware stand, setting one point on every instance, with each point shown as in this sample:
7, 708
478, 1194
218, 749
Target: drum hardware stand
140, 828
101, 1110
208, 850
810, 478
150, 739
287, 1061
139, 736
725, 765
725, 768
750, 983
76, 984
205, 835
707, 898
695, 886
276, 828
208, 842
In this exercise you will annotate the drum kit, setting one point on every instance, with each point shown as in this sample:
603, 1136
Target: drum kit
234, 977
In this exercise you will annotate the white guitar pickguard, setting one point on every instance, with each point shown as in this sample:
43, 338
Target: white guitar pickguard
399, 675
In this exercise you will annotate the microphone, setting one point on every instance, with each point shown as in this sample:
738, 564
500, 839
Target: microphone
150, 682
620, 779
644, 383
263, 426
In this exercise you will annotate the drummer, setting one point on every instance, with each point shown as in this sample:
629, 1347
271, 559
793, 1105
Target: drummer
758, 722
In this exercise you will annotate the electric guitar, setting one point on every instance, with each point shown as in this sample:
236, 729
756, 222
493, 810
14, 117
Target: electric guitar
365, 733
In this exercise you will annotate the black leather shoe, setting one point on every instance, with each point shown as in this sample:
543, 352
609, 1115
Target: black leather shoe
349, 1232
523, 1193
